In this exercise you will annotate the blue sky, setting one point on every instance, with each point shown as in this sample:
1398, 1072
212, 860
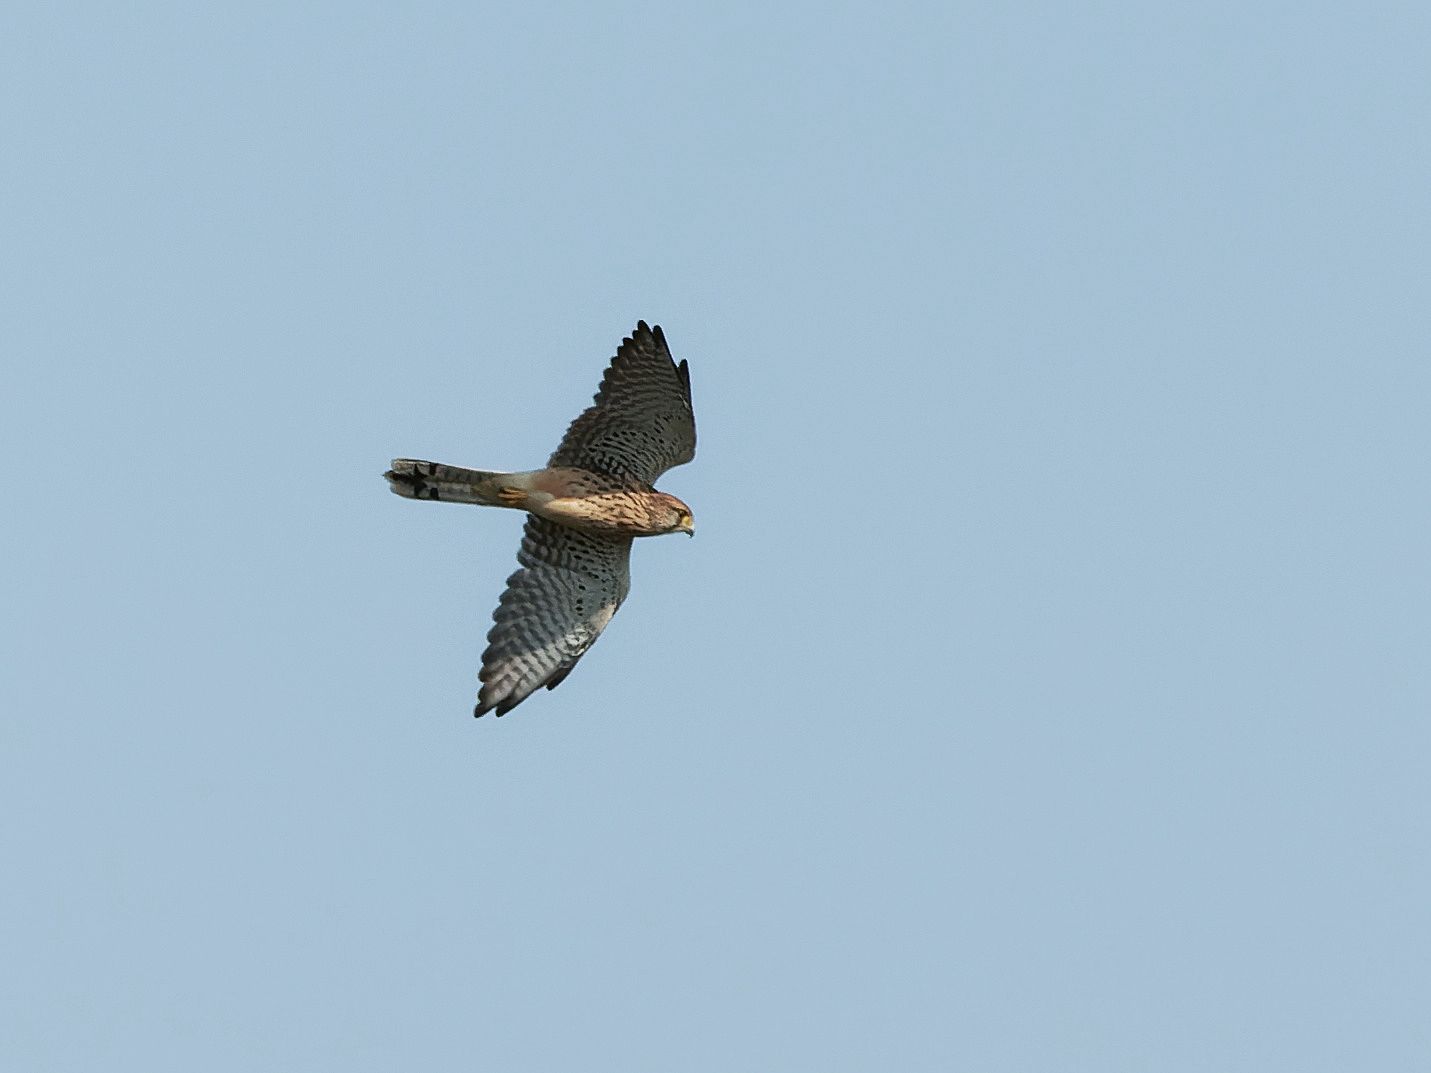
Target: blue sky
1046, 687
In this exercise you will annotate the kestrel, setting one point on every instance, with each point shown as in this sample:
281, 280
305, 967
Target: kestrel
583, 510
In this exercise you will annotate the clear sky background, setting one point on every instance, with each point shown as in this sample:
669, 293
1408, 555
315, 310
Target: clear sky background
1046, 688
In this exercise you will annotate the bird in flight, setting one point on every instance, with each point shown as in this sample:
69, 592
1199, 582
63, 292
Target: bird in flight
593, 498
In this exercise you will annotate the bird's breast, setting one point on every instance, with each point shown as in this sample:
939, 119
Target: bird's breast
606, 513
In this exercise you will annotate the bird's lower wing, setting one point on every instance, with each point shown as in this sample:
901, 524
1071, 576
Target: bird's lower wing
551, 612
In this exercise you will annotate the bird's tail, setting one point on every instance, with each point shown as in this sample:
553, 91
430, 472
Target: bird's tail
415, 479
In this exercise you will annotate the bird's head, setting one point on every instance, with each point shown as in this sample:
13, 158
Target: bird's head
677, 516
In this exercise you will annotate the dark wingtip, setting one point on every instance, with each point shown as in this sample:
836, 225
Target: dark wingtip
499, 707
653, 330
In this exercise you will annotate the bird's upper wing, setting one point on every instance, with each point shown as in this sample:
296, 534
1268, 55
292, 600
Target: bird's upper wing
642, 423
552, 611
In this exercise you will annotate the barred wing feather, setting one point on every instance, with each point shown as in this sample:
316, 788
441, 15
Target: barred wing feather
552, 611
641, 423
